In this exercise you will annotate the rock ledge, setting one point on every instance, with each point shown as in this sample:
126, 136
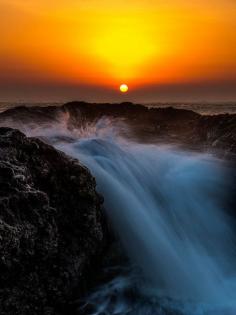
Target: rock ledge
52, 230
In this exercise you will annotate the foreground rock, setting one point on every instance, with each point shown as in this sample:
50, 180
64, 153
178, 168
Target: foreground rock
52, 231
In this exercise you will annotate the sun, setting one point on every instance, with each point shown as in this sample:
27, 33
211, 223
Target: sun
124, 88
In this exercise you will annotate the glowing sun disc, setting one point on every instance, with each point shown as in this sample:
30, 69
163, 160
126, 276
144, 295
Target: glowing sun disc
124, 88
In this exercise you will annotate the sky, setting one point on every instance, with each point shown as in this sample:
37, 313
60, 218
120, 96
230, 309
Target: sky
164, 50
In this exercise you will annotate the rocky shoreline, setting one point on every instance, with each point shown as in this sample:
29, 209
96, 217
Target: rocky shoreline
166, 125
52, 229
53, 232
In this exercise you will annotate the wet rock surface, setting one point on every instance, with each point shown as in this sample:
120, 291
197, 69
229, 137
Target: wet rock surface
166, 125
52, 229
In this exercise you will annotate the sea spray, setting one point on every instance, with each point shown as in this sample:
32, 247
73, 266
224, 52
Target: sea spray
167, 206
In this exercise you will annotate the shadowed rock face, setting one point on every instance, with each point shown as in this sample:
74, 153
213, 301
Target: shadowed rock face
168, 125
51, 227
218, 131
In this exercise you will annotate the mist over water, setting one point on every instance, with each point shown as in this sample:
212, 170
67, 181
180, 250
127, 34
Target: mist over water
168, 209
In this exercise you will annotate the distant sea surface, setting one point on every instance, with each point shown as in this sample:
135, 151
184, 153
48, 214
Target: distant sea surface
201, 108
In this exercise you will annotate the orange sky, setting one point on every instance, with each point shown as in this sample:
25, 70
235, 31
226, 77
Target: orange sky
104, 43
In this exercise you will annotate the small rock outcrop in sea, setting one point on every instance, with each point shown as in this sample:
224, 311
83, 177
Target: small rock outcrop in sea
52, 230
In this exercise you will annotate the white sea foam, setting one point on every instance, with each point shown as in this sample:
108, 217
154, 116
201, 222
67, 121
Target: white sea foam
167, 207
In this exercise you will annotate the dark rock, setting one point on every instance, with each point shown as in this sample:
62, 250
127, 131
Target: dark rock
218, 131
168, 125
52, 230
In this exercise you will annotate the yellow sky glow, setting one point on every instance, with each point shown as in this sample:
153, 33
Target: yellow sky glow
106, 43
